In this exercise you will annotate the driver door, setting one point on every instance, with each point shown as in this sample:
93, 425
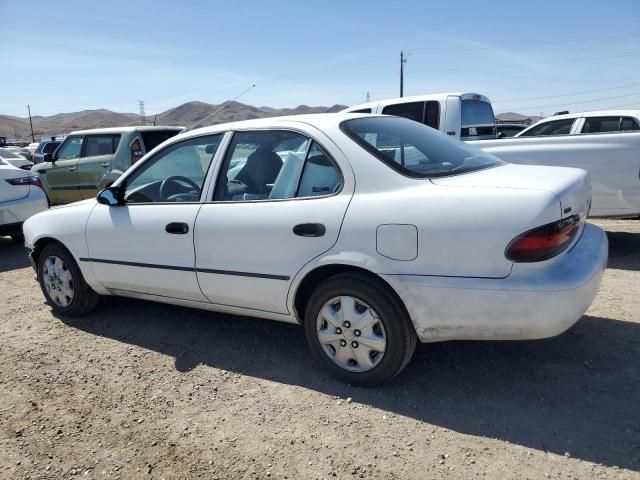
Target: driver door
146, 245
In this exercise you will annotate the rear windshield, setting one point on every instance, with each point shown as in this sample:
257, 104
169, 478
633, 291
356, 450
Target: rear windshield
7, 154
154, 138
415, 149
478, 120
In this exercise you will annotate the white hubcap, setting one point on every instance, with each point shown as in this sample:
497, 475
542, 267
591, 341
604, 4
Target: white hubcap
58, 281
351, 334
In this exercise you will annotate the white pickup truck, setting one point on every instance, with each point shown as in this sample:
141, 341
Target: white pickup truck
465, 116
605, 143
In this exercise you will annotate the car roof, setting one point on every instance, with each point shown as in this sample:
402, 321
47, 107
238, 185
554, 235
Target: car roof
440, 97
141, 128
594, 113
320, 120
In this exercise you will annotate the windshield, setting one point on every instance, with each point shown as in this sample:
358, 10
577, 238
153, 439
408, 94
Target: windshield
478, 120
415, 149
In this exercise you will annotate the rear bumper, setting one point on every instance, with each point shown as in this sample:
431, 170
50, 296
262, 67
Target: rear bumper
15, 212
537, 300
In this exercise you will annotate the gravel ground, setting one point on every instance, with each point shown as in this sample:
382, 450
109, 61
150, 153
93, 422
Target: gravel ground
143, 390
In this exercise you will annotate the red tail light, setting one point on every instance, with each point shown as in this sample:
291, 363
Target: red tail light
543, 242
136, 151
30, 180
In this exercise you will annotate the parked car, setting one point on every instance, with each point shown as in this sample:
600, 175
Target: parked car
45, 147
20, 197
28, 151
90, 160
374, 232
14, 159
506, 130
467, 116
605, 144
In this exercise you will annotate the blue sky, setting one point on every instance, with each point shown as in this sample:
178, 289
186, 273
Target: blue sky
528, 57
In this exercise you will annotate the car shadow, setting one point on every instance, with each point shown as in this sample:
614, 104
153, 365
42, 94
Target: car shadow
576, 394
12, 255
624, 250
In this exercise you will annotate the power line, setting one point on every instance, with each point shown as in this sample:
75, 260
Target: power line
566, 60
222, 106
570, 94
554, 42
576, 103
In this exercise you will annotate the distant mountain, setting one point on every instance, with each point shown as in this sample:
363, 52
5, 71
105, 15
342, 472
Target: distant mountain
185, 115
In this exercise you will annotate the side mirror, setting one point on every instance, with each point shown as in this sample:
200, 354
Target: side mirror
48, 157
111, 196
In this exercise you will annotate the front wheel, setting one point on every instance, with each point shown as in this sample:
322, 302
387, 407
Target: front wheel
358, 329
63, 284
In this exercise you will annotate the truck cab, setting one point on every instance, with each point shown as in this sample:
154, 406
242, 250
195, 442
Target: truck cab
465, 116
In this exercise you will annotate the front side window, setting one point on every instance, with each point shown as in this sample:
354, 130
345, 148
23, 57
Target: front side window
101, 145
275, 165
71, 148
414, 149
175, 174
554, 127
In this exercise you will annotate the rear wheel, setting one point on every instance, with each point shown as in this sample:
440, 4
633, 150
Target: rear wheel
358, 329
62, 282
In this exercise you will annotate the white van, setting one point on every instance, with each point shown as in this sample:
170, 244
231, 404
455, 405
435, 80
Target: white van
466, 116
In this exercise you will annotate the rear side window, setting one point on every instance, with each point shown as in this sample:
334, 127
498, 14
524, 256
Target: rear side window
555, 127
414, 149
628, 124
601, 124
153, 138
101, 145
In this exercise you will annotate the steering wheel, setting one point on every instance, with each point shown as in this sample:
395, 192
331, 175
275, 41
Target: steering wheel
176, 179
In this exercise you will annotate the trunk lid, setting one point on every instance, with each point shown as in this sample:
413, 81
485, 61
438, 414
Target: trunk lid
570, 185
10, 192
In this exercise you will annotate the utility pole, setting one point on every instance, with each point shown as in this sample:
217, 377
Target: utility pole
403, 60
142, 114
368, 97
33, 138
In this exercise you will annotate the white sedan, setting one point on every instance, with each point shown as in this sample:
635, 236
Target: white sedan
21, 196
371, 231
11, 157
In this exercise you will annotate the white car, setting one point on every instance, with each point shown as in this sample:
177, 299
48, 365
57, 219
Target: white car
21, 196
13, 158
374, 232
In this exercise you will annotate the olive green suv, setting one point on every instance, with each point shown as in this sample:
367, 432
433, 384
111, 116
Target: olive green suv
89, 160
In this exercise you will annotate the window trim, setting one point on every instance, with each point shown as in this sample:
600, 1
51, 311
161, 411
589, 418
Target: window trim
571, 130
122, 181
86, 141
68, 140
223, 164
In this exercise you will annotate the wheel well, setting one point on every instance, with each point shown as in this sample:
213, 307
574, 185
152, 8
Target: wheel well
320, 274
39, 246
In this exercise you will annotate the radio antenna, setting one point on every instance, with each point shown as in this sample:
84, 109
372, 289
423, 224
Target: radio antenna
221, 107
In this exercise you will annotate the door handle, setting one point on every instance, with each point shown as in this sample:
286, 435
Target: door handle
177, 228
309, 229
72, 169
105, 165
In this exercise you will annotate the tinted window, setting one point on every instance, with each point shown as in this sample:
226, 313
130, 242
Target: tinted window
100, 145
478, 119
362, 110
432, 115
412, 111
70, 148
555, 127
270, 165
50, 147
175, 174
601, 124
153, 138
414, 149
628, 123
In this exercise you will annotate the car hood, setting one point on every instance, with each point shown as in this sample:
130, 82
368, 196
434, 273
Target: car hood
570, 185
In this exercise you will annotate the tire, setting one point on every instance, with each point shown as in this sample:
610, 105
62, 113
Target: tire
18, 238
373, 303
60, 277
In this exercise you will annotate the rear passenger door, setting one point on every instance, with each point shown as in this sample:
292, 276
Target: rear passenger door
279, 202
95, 162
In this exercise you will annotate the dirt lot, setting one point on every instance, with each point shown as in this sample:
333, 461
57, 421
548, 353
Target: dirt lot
141, 390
